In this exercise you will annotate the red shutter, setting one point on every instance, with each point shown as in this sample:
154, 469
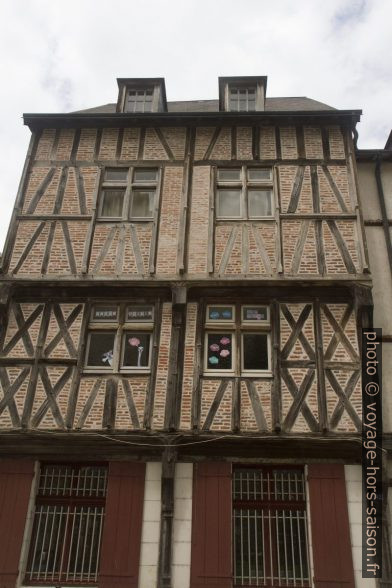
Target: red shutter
119, 567
331, 544
15, 486
211, 526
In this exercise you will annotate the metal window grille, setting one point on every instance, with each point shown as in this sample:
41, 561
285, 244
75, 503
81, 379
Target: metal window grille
270, 540
67, 528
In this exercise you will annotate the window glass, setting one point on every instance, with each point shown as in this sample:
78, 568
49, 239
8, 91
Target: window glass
229, 203
136, 349
254, 313
145, 175
116, 174
100, 351
229, 175
105, 313
142, 203
219, 351
259, 174
255, 351
259, 202
220, 313
140, 313
112, 205
139, 101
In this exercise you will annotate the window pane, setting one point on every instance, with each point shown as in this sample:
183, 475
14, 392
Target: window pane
229, 175
140, 313
260, 202
219, 351
255, 351
229, 203
143, 203
112, 205
105, 313
259, 173
100, 352
220, 313
145, 175
254, 313
115, 174
136, 349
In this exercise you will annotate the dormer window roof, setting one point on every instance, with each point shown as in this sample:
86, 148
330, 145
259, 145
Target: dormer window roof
242, 94
139, 95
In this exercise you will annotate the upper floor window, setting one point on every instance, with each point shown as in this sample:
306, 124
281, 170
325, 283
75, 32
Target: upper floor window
120, 338
237, 339
67, 527
242, 98
128, 194
139, 100
244, 193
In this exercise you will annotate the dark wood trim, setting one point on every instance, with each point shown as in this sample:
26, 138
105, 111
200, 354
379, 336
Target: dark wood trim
348, 262
296, 191
325, 142
212, 144
334, 188
75, 144
234, 142
90, 232
150, 393
321, 389
164, 143
277, 143
276, 392
211, 223
142, 140
41, 191
167, 515
299, 130
256, 142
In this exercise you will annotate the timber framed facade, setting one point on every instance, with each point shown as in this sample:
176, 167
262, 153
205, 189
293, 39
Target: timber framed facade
183, 289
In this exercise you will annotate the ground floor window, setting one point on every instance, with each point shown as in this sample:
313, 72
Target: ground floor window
270, 538
68, 519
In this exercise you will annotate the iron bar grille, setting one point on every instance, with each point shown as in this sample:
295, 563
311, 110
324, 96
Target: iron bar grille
270, 527
67, 528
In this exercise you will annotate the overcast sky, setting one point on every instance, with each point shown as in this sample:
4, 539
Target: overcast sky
58, 56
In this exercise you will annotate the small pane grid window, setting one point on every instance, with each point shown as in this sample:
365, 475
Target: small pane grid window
128, 194
67, 528
139, 100
270, 536
242, 98
119, 338
244, 193
229, 330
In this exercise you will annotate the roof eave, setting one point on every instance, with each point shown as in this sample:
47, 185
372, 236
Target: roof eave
76, 120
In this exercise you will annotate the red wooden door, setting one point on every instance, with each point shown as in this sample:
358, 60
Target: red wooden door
122, 529
15, 486
211, 526
331, 544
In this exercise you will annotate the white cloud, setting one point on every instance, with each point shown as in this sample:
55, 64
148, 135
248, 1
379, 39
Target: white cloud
63, 56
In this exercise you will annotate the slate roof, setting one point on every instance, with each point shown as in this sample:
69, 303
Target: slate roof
297, 103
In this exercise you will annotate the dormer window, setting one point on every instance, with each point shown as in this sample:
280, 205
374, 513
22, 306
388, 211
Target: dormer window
139, 100
242, 94
242, 98
141, 95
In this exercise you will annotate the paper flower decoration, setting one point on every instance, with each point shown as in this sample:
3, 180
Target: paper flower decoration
213, 360
225, 341
134, 341
214, 314
214, 347
224, 353
226, 314
108, 357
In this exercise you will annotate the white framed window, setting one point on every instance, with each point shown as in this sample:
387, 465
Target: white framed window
139, 100
242, 98
237, 340
128, 194
119, 338
244, 193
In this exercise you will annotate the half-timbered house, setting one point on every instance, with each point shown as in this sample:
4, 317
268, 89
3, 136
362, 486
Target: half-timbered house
182, 292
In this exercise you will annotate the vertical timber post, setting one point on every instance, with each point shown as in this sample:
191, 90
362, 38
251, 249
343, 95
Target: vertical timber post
167, 513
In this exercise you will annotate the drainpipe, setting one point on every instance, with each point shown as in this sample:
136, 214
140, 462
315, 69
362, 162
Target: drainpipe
384, 216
